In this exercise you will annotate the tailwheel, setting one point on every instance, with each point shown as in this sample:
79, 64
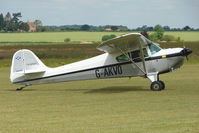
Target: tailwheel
157, 86
21, 88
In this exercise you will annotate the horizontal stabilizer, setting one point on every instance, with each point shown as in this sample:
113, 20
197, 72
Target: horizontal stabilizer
34, 71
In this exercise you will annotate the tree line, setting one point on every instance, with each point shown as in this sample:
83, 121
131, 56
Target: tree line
12, 23
166, 28
87, 27
156, 36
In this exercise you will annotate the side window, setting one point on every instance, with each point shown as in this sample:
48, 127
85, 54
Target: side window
133, 55
136, 54
145, 52
122, 58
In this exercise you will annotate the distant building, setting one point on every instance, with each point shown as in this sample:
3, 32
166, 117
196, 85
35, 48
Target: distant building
32, 26
108, 29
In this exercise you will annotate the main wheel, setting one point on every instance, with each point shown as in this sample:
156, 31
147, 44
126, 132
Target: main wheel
163, 85
156, 86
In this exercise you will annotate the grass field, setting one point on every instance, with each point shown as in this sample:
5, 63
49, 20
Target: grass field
186, 36
103, 106
78, 36
54, 36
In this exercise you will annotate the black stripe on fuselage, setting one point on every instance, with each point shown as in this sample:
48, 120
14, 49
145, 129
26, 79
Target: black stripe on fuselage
123, 63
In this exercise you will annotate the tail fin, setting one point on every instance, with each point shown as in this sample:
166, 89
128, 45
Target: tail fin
25, 62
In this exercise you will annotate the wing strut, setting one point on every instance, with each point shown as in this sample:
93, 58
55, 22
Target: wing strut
142, 54
132, 61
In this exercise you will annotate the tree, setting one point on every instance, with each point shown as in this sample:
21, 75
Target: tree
114, 28
107, 37
7, 17
13, 23
67, 40
153, 37
42, 28
1, 22
169, 38
167, 28
150, 28
144, 33
160, 31
144, 27
9, 25
186, 28
38, 23
7, 20
23, 26
16, 17
85, 27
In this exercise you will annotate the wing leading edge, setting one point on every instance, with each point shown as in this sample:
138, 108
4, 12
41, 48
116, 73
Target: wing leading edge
125, 43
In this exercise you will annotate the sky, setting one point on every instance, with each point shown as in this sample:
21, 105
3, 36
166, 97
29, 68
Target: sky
131, 13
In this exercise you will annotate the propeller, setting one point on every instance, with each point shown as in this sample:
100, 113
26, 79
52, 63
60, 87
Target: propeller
186, 52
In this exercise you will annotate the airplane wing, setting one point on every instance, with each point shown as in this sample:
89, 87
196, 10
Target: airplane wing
125, 43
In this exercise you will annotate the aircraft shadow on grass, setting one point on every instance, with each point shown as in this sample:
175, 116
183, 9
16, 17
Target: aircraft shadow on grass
113, 89
117, 89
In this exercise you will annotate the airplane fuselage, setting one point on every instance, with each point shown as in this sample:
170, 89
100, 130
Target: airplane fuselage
106, 66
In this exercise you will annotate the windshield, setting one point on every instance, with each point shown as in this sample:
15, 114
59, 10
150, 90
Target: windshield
154, 48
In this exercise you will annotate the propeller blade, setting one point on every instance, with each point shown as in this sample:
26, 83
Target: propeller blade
187, 58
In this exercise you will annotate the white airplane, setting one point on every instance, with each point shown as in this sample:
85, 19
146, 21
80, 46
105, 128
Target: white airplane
129, 55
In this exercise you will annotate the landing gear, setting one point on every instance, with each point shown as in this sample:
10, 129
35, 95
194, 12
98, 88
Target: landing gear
21, 88
157, 85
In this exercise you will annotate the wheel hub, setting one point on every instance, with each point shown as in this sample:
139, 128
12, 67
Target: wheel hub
156, 86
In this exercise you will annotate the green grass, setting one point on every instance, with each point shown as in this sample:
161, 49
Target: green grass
186, 36
113, 105
78, 36
54, 36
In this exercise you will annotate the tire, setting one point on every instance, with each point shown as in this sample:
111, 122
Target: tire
156, 86
163, 85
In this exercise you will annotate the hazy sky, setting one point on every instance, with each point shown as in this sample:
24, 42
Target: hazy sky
132, 13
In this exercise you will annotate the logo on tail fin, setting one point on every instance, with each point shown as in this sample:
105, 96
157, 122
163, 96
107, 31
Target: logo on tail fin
18, 58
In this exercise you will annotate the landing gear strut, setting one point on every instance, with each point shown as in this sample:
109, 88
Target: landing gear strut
157, 85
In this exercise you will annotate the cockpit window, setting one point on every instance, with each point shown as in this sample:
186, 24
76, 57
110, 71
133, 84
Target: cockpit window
154, 48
